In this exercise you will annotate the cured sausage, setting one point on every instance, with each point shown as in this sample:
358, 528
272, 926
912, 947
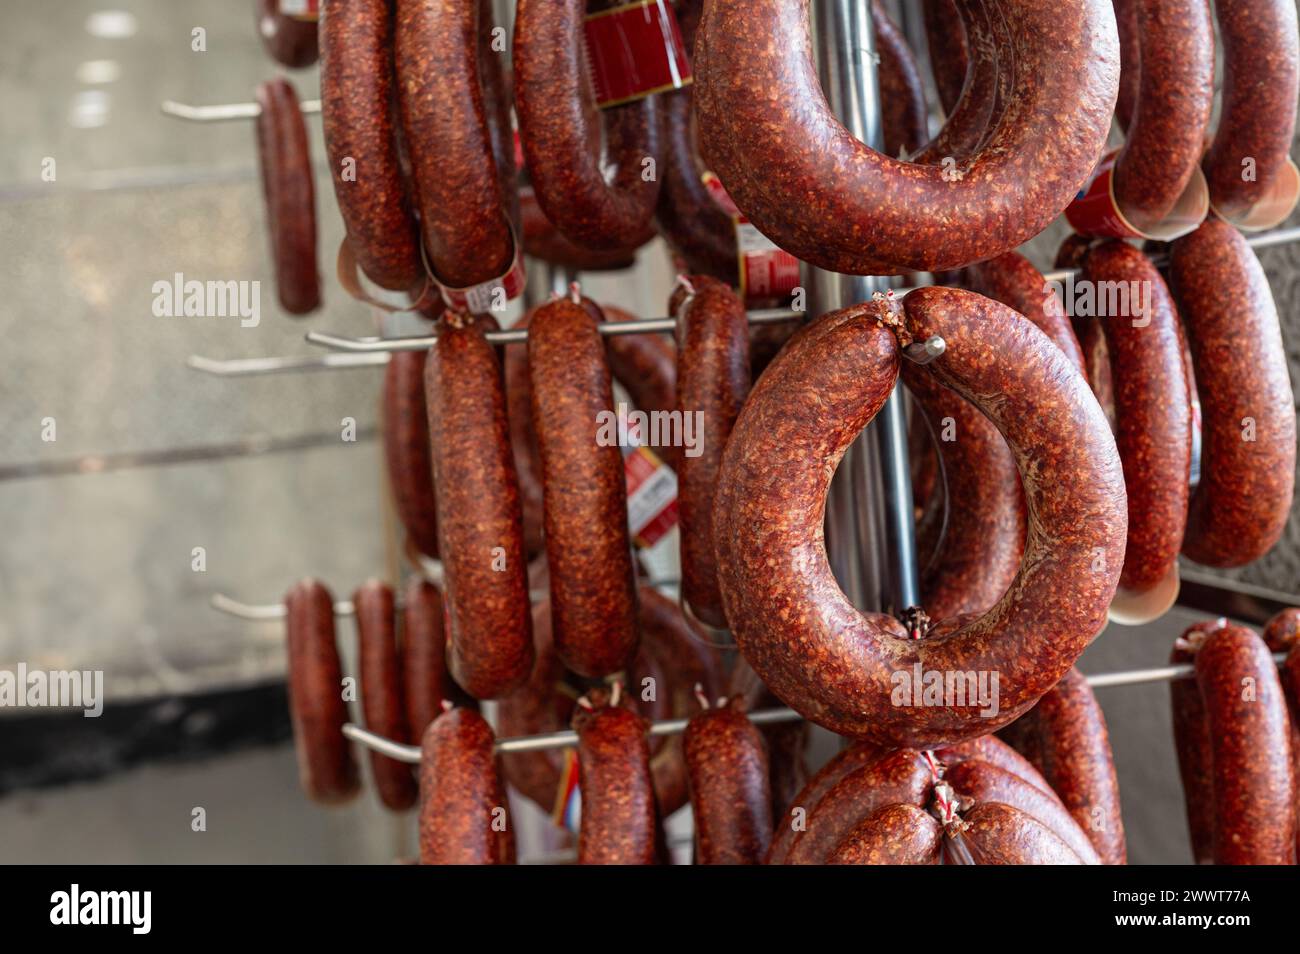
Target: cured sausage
1153, 416
618, 807
1242, 503
464, 817
1192, 743
1261, 81
1130, 60
975, 789
382, 699
326, 767
406, 449
561, 132
543, 241
290, 196
669, 655
593, 595
426, 681
1251, 769
946, 41
1282, 635
290, 41
839, 667
770, 151
712, 383
480, 524
1166, 130
1065, 737
787, 742
357, 104
1012, 279
730, 797
464, 213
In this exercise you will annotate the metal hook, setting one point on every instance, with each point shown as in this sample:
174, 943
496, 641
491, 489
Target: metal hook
923, 352
249, 367
224, 112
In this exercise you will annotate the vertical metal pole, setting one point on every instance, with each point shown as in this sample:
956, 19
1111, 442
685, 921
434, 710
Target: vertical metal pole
869, 523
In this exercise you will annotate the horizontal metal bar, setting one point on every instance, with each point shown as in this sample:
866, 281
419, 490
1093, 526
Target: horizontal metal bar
250, 367
224, 112
1224, 597
568, 738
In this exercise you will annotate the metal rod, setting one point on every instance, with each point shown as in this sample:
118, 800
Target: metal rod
267, 611
250, 367
567, 738
224, 112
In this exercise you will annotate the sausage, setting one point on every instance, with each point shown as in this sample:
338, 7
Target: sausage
730, 796
904, 116
1065, 737
1252, 772
1166, 132
669, 654
618, 807
326, 768
1012, 279
977, 540
894, 835
290, 42
356, 79
1130, 60
464, 216
406, 449
839, 667
1261, 81
561, 133
523, 440
593, 596
1242, 503
772, 150
543, 241
1192, 743
1282, 635
946, 41
290, 196
425, 679
1153, 416
382, 700
464, 817
787, 742
864, 783
480, 524
712, 383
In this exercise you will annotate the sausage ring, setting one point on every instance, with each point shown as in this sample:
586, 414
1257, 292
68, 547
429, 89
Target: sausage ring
464, 816
382, 697
406, 449
840, 668
826, 198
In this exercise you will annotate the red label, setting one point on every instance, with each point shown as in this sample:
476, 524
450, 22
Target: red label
651, 496
480, 299
766, 271
1093, 211
635, 50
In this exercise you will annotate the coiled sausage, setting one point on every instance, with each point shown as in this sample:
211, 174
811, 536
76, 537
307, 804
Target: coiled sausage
480, 524
882, 215
618, 808
1242, 503
792, 622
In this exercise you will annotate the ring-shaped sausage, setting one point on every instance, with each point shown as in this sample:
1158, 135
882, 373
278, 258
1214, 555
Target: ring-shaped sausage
813, 648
